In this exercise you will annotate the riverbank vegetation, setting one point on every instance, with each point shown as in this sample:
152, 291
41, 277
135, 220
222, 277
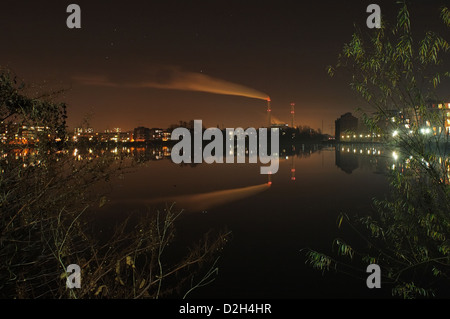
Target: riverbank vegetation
398, 71
48, 220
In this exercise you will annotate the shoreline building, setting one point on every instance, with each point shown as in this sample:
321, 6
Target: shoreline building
347, 124
141, 134
433, 120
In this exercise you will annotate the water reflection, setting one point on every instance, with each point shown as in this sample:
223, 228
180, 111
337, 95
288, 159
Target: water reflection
347, 161
202, 202
147, 153
270, 222
350, 157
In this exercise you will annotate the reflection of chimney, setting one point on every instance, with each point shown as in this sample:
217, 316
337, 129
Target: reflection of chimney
292, 114
293, 169
269, 111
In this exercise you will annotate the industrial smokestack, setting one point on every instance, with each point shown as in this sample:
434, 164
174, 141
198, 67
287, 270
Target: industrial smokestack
292, 114
269, 112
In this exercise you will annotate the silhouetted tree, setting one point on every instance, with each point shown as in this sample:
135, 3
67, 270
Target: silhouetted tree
408, 233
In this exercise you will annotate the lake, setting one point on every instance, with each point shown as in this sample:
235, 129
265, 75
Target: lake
270, 223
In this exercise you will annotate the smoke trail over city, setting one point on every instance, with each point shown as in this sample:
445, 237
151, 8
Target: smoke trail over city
176, 79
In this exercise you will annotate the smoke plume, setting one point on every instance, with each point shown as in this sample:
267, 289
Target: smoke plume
176, 79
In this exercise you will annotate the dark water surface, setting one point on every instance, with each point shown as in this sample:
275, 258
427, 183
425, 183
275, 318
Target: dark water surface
270, 224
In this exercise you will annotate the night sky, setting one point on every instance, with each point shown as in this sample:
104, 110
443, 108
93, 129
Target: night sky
280, 48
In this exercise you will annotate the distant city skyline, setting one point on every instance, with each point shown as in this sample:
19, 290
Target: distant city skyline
108, 66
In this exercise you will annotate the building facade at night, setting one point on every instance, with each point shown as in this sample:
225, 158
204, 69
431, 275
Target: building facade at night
14, 133
439, 123
141, 134
159, 134
433, 119
346, 124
